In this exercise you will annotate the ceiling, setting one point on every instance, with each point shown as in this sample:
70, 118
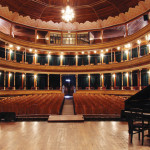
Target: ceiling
85, 10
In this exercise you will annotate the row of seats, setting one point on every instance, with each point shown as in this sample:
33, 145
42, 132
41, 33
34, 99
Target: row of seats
98, 104
33, 104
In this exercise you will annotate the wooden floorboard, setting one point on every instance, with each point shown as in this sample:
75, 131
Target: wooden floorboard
98, 135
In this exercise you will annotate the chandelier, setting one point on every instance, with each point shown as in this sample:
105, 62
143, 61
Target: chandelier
68, 14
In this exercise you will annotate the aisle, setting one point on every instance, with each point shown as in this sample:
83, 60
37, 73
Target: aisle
68, 107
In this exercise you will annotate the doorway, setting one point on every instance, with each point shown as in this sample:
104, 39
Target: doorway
68, 84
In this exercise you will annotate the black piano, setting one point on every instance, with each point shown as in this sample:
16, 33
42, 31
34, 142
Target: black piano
140, 100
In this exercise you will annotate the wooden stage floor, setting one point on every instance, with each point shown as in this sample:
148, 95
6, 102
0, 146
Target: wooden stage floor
98, 135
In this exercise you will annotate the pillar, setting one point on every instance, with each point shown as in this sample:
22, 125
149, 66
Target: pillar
114, 57
48, 82
5, 51
139, 79
76, 60
131, 53
15, 55
76, 81
14, 82
131, 81
127, 55
122, 55
111, 55
4, 80
89, 59
76, 39
60, 81
9, 74
138, 50
102, 77
25, 76
22, 85
127, 79
89, 77
61, 60
25, 55
9, 55
35, 81
122, 80
112, 81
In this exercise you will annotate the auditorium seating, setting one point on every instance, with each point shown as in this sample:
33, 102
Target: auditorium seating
98, 104
33, 104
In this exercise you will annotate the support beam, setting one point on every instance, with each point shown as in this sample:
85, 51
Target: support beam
14, 82
4, 80
89, 77
48, 82
76, 81
60, 81
122, 80
25, 76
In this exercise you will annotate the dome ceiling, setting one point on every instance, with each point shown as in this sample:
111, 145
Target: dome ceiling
85, 10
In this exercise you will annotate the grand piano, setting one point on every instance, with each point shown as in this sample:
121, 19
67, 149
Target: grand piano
140, 100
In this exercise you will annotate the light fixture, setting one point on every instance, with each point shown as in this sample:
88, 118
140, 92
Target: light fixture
10, 74
10, 45
61, 56
35, 55
37, 37
102, 76
35, 76
102, 55
10, 51
88, 76
82, 52
106, 50
0, 73
23, 75
128, 45
35, 50
49, 55
95, 52
127, 74
126, 52
114, 75
89, 56
76, 56
118, 48
101, 50
139, 42
30, 50
18, 47
68, 14
148, 72
68, 80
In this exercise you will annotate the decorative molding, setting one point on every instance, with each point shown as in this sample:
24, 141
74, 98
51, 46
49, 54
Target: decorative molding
142, 7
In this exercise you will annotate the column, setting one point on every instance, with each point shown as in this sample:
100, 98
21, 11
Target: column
102, 57
22, 85
76, 81
35, 81
139, 79
138, 50
102, 77
5, 51
127, 55
131, 81
15, 55
60, 81
48, 82
127, 75
76, 39
112, 76
48, 59
14, 82
4, 80
49, 37
122, 80
89, 59
111, 55
76, 60
89, 77
25, 76
114, 57
25, 55
61, 60
9, 54
122, 55
9, 75
131, 52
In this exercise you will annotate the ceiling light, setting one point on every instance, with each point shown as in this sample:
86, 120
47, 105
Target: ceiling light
106, 50
68, 14
95, 52
30, 50
118, 48
82, 52
139, 42
10, 45
18, 47
101, 50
